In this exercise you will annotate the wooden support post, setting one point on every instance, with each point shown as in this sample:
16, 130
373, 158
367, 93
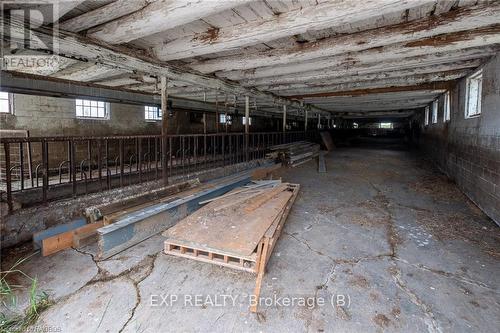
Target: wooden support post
204, 114
247, 124
217, 111
164, 129
305, 120
319, 120
284, 118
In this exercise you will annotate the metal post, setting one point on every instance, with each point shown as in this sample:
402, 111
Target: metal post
164, 129
8, 178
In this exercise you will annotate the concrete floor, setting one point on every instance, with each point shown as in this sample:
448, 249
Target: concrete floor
381, 230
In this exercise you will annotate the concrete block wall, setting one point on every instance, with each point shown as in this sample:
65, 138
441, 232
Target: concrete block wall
50, 116
468, 149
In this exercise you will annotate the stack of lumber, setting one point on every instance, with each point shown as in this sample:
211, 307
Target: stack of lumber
295, 153
238, 229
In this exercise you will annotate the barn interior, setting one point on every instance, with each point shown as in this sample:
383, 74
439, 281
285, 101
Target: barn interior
382, 118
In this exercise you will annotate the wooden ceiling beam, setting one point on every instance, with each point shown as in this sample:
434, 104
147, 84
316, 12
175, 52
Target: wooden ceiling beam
450, 45
321, 16
158, 16
102, 15
86, 49
396, 82
441, 86
461, 19
437, 71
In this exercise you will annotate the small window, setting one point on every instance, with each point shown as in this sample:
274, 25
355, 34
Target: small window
225, 119
244, 120
386, 125
426, 119
355, 125
446, 114
435, 112
92, 109
152, 113
5, 102
473, 95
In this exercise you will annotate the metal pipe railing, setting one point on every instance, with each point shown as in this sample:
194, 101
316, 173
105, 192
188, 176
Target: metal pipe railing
184, 154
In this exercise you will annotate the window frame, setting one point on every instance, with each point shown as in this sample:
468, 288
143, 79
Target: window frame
243, 121
158, 112
479, 77
106, 105
447, 107
426, 116
225, 119
10, 103
391, 125
435, 111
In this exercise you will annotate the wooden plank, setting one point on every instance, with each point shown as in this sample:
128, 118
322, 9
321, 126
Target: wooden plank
326, 137
234, 231
140, 225
156, 17
38, 237
260, 274
451, 22
295, 22
260, 200
86, 234
57, 243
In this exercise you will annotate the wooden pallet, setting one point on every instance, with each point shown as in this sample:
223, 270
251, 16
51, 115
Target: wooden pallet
255, 263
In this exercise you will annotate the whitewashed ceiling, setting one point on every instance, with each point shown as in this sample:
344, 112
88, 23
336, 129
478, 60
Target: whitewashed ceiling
339, 56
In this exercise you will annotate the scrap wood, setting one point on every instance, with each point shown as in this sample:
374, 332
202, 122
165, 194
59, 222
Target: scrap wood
65, 240
264, 198
235, 232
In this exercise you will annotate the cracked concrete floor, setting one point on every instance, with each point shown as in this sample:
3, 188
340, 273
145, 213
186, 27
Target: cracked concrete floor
381, 230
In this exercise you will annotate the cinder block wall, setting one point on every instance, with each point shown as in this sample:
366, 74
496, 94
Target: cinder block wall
50, 116
468, 149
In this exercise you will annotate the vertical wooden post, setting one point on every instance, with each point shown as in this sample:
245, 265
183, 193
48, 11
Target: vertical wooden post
164, 129
284, 118
247, 124
319, 120
204, 114
305, 120
216, 111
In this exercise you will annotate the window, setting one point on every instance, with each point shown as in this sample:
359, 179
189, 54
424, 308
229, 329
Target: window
426, 119
446, 114
225, 119
435, 112
473, 95
355, 125
386, 125
152, 113
244, 120
5, 105
92, 109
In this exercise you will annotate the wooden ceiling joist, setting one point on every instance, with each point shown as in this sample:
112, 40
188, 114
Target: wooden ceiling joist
79, 47
442, 86
463, 19
323, 15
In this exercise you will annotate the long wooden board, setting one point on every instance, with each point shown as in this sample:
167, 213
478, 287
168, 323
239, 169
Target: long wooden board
230, 231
